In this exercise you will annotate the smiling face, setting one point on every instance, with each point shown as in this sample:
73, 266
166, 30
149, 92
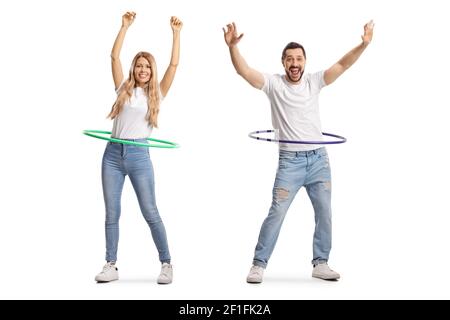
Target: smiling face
294, 64
142, 71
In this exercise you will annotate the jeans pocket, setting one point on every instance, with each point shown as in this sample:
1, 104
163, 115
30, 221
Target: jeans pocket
285, 155
286, 162
323, 160
323, 156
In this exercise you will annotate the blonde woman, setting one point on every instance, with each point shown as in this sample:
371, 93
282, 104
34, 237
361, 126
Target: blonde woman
135, 114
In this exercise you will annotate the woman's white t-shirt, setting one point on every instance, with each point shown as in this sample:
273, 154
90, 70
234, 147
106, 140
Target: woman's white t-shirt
131, 122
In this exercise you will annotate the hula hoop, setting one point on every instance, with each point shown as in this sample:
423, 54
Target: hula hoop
162, 143
254, 133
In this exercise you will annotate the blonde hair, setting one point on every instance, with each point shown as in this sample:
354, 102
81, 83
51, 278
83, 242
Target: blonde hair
151, 91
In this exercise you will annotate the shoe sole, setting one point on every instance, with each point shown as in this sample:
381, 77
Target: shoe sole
254, 281
106, 281
325, 278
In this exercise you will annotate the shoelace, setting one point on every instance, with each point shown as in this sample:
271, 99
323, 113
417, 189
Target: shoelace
165, 270
256, 270
107, 267
327, 268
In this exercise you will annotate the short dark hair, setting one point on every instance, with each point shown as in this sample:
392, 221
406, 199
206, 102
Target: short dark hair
292, 45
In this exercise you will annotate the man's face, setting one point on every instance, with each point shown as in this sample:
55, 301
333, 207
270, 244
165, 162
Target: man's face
294, 64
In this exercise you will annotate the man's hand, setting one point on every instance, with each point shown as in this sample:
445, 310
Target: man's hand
231, 36
368, 32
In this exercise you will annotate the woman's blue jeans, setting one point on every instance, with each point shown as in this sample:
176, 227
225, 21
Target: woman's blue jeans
120, 160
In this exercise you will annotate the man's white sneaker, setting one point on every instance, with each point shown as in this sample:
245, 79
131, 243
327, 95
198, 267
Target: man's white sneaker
109, 273
323, 271
255, 275
166, 275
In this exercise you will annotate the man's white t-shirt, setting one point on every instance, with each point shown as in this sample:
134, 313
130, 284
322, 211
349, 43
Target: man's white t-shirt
131, 122
295, 109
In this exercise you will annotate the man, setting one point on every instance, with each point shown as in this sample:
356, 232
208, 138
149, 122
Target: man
295, 117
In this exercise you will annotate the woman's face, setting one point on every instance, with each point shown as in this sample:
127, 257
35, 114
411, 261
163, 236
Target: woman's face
142, 71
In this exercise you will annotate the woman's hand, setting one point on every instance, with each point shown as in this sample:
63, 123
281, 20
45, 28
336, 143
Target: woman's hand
128, 18
176, 24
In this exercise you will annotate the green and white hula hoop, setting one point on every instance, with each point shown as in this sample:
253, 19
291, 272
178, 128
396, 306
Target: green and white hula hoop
99, 134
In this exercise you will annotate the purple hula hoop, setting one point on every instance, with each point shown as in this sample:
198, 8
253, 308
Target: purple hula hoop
341, 139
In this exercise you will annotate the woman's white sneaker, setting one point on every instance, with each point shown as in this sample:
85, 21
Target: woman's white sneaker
109, 273
255, 275
166, 275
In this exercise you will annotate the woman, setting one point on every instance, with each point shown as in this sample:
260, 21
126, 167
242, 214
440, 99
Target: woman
135, 113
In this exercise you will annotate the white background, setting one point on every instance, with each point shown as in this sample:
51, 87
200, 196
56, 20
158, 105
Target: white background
390, 180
